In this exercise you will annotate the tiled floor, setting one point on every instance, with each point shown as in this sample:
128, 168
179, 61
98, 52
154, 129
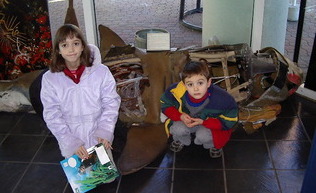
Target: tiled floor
271, 160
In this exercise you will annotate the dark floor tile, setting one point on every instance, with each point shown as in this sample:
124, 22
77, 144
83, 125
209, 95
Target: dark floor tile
285, 128
1, 138
43, 178
289, 154
147, 180
247, 155
30, 124
310, 125
49, 152
165, 160
10, 175
196, 157
104, 188
68, 189
251, 181
287, 107
20, 148
305, 107
291, 180
240, 133
201, 181
8, 121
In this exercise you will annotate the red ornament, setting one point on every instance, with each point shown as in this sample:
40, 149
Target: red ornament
42, 19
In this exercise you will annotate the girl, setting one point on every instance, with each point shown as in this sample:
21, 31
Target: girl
79, 95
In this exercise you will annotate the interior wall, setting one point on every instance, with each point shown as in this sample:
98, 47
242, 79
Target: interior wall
230, 21
259, 23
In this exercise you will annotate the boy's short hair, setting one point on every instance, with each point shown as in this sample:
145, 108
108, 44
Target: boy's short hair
196, 68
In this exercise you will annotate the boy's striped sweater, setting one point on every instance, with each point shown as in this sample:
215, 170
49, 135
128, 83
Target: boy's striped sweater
221, 107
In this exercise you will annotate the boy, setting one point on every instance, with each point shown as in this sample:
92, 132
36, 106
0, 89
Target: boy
195, 106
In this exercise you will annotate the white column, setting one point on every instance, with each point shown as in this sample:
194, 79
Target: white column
258, 14
274, 24
90, 21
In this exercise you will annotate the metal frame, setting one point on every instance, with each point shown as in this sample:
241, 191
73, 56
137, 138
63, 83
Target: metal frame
183, 14
299, 31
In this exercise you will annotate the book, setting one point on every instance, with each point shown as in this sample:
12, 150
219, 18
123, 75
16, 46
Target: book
87, 174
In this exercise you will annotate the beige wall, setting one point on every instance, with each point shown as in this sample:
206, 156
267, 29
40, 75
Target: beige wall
229, 20
259, 23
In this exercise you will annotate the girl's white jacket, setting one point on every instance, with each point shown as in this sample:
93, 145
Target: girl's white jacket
77, 114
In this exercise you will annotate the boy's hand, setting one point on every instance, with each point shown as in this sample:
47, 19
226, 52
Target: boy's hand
186, 119
82, 152
105, 142
195, 122
189, 121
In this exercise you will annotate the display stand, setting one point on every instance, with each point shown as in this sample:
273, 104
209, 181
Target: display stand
308, 89
183, 14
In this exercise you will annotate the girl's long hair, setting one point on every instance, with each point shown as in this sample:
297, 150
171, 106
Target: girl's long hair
68, 31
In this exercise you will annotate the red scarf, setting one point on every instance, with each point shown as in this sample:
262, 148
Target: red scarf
75, 74
207, 94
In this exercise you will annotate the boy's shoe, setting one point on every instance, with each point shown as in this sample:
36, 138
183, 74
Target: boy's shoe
216, 153
176, 146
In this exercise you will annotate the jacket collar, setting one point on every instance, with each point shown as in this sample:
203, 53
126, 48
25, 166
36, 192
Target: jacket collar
179, 90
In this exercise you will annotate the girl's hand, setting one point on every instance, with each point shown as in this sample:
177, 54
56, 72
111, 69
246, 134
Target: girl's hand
82, 152
105, 142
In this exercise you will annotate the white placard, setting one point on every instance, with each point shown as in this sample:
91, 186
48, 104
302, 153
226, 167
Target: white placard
158, 41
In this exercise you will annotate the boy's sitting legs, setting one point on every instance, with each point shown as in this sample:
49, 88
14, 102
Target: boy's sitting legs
215, 153
176, 146
181, 136
203, 136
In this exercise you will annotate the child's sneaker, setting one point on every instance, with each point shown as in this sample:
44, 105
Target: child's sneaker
215, 153
176, 146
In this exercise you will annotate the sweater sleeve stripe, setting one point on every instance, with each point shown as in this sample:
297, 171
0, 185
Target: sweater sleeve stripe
228, 118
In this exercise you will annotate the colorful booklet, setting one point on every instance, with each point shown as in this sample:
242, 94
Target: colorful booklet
85, 175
